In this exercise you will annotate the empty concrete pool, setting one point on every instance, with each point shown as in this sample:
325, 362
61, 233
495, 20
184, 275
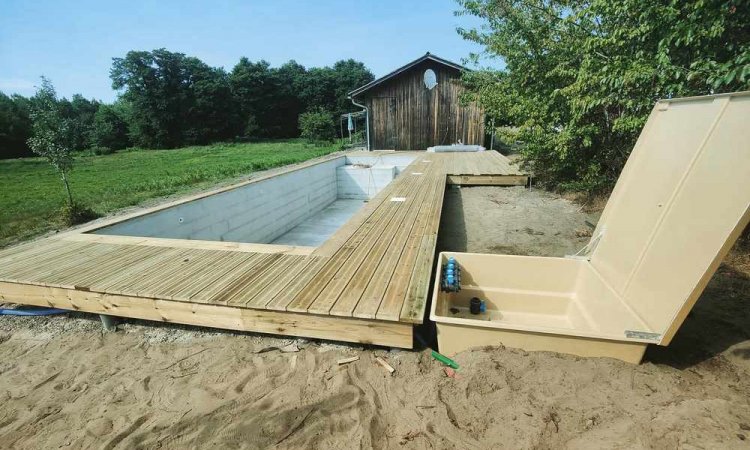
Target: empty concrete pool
302, 207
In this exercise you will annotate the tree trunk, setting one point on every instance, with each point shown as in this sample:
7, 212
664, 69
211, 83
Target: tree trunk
67, 188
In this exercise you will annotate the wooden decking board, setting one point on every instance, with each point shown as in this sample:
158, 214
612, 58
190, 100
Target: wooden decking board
148, 282
16, 267
104, 265
395, 295
382, 232
375, 270
43, 270
274, 280
368, 250
488, 180
482, 163
234, 247
359, 289
391, 293
482, 169
416, 294
209, 277
23, 252
416, 298
200, 265
272, 272
247, 278
99, 258
283, 298
307, 295
211, 292
115, 282
392, 334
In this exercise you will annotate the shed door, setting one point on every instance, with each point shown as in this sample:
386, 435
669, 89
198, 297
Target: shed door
385, 122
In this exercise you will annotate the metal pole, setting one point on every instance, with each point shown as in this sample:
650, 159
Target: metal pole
492, 139
367, 118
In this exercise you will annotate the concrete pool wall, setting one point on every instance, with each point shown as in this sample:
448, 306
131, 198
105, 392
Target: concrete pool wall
300, 207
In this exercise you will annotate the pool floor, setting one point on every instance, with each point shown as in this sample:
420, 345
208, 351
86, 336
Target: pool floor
321, 226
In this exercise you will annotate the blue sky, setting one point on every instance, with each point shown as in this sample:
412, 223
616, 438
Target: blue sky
73, 42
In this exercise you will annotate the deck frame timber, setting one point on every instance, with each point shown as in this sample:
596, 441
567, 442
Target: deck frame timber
389, 334
369, 283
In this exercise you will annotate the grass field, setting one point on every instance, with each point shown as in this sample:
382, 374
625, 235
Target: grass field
31, 193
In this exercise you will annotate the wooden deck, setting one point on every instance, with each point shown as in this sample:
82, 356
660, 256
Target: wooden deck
483, 168
368, 283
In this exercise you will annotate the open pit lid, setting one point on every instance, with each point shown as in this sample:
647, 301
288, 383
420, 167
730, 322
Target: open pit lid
679, 205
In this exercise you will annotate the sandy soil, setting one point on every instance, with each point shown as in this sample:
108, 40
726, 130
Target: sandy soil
513, 221
64, 383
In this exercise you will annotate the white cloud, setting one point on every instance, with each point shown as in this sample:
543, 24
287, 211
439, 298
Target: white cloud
16, 86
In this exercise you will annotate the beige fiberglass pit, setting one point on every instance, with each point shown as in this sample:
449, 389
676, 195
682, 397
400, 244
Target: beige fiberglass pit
679, 205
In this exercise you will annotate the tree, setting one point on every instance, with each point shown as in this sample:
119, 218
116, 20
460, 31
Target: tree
290, 78
176, 99
15, 126
317, 90
270, 100
80, 114
210, 114
110, 129
581, 77
327, 87
51, 133
348, 75
254, 89
317, 125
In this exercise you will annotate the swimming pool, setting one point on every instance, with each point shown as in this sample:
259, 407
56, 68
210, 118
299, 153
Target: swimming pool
301, 206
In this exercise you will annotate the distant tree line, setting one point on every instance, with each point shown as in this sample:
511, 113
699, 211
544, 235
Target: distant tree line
169, 100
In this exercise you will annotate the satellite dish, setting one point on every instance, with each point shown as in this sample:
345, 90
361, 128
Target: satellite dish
430, 79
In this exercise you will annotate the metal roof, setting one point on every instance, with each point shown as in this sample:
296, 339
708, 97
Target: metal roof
427, 56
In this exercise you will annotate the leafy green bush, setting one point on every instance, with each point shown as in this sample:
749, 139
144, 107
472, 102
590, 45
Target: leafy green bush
317, 125
76, 213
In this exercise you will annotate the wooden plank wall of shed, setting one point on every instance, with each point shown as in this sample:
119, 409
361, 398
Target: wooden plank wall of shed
421, 117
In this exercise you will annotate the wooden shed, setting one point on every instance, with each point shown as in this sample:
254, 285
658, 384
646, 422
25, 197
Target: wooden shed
418, 106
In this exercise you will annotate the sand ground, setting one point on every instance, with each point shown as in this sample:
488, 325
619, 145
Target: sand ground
64, 383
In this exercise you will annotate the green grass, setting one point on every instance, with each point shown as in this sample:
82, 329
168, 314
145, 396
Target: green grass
31, 193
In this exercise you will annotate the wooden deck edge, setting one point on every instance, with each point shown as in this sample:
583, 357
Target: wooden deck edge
389, 334
488, 180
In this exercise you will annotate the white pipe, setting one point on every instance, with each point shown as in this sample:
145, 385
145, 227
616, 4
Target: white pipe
367, 119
